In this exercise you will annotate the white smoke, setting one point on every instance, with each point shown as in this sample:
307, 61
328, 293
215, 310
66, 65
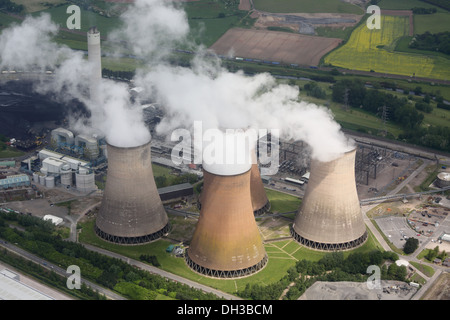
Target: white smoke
218, 98
151, 28
29, 46
204, 92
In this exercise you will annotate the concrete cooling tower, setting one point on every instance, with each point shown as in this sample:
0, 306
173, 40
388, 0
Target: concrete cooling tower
260, 202
330, 216
226, 242
131, 211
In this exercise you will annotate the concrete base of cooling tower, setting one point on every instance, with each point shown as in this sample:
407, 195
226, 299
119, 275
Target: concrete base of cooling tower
226, 274
132, 240
329, 246
262, 210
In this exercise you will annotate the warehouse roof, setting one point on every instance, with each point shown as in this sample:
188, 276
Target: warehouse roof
12, 289
14, 179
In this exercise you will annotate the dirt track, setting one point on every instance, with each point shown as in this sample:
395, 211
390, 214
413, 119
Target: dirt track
440, 290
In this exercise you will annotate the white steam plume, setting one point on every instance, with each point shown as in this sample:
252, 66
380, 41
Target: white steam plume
221, 99
29, 46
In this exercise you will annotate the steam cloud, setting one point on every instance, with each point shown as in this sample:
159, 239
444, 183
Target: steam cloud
204, 92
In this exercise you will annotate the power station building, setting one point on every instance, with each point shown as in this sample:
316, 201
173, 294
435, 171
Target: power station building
330, 216
226, 242
131, 211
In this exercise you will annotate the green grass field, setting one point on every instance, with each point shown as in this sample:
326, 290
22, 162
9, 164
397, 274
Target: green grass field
405, 5
282, 255
282, 202
374, 50
434, 23
307, 6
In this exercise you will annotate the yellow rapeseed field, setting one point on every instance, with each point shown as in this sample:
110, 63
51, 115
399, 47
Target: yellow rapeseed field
374, 50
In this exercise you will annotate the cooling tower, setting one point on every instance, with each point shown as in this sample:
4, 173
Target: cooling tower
260, 202
131, 211
330, 216
226, 242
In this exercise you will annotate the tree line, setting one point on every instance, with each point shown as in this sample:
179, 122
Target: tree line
401, 112
445, 4
44, 239
439, 42
11, 7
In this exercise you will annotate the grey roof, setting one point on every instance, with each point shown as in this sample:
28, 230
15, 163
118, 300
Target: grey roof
177, 187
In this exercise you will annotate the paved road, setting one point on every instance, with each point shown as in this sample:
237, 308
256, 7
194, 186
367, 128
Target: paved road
163, 273
413, 257
60, 271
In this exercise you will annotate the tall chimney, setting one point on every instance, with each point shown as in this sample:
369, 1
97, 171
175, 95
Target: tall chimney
95, 61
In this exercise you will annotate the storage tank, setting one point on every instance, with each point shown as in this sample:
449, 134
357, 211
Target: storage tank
443, 179
85, 180
330, 216
66, 175
42, 179
226, 242
35, 177
131, 211
50, 181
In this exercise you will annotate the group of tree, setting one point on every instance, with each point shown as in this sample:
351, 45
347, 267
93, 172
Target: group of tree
411, 244
126, 75
439, 3
435, 253
439, 42
400, 111
356, 95
418, 10
10, 6
332, 267
43, 239
152, 259
314, 90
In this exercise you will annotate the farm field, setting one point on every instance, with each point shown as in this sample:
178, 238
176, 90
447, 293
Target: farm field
405, 5
306, 6
274, 46
374, 50
433, 23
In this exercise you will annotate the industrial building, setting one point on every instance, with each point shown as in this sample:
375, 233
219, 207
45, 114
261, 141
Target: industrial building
58, 168
14, 181
176, 191
226, 242
11, 288
131, 211
330, 216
